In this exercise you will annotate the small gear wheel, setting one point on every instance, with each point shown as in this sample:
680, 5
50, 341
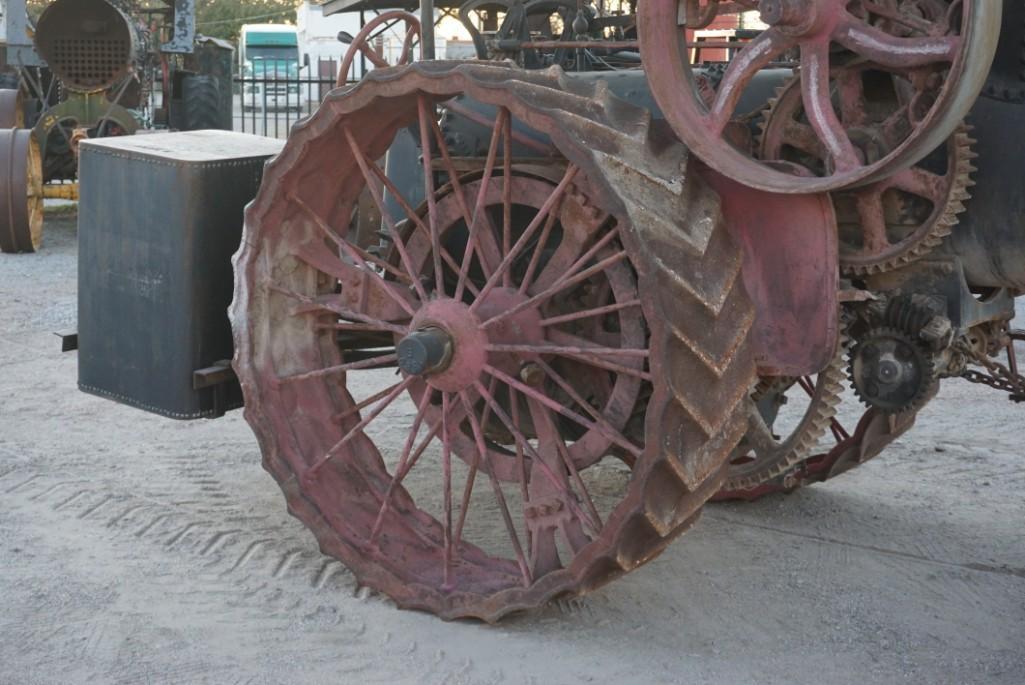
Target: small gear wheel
890, 223
891, 371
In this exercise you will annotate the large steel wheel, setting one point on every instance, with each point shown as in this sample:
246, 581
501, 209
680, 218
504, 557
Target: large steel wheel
21, 192
942, 49
536, 388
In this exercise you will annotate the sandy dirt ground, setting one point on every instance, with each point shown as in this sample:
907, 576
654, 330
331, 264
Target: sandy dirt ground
136, 549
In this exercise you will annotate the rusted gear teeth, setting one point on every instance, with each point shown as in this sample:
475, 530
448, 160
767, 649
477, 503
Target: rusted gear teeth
930, 233
920, 392
691, 295
761, 456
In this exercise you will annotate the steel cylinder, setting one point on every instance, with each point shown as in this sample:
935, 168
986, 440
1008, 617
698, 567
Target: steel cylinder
90, 45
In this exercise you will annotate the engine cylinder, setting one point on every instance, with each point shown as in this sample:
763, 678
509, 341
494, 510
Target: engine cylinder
89, 45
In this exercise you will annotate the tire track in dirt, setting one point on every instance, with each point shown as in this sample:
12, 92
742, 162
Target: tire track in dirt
247, 562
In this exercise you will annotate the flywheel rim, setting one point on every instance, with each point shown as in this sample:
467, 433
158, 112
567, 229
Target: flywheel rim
703, 128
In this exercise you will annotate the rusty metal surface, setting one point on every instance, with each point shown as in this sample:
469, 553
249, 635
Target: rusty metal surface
11, 113
774, 444
874, 433
942, 55
21, 198
687, 381
890, 223
790, 271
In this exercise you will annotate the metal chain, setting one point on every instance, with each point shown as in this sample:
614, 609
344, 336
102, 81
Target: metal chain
999, 377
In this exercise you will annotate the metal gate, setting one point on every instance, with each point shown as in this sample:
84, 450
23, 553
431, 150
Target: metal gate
269, 102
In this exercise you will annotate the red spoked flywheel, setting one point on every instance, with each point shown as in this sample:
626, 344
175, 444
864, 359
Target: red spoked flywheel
940, 49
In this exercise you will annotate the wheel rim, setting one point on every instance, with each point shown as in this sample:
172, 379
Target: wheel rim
466, 340
962, 54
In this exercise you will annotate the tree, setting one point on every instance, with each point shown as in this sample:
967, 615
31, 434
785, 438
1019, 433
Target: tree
224, 18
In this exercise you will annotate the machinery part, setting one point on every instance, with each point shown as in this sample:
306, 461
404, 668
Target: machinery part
60, 128
202, 99
943, 48
889, 223
12, 113
183, 27
874, 433
1006, 80
625, 220
891, 371
790, 271
21, 192
90, 45
778, 439
360, 44
1004, 378
990, 238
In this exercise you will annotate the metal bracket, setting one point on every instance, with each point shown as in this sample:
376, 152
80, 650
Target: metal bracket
220, 376
184, 38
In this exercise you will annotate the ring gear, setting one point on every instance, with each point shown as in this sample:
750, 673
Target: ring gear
890, 223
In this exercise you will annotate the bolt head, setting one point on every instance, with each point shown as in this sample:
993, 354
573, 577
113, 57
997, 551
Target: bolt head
532, 374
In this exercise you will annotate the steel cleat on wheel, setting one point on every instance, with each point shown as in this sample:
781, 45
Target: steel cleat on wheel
935, 54
536, 387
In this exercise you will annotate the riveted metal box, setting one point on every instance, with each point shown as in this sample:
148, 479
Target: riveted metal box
160, 216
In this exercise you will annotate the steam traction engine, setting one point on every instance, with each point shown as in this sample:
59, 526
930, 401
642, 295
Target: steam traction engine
595, 299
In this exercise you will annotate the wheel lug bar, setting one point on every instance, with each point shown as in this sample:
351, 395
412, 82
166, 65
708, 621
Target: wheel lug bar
424, 351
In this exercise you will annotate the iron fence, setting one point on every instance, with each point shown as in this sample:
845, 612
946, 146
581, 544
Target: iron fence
277, 94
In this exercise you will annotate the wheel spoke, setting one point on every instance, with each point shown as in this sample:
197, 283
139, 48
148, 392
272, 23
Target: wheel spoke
378, 197
446, 472
754, 57
424, 117
891, 51
607, 429
535, 457
919, 182
532, 393
478, 437
357, 255
588, 313
356, 408
401, 469
370, 363
850, 91
873, 222
473, 242
382, 405
584, 352
326, 303
418, 222
351, 276
818, 106
507, 153
546, 211
572, 276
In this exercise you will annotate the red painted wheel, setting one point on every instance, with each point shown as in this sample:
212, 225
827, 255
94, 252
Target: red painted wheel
942, 50
361, 43
536, 388
890, 223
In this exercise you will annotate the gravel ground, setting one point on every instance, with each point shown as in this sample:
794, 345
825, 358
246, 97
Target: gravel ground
139, 549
